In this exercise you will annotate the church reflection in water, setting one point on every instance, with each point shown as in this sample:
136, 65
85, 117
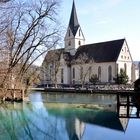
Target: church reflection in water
69, 116
111, 111
75, 122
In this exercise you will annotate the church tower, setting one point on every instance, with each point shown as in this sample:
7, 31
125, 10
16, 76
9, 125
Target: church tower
74, 36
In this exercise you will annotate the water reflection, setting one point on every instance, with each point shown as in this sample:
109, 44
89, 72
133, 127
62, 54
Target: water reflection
49, 117
75, 128
126, 103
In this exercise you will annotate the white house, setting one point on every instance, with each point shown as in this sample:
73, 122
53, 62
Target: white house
77, 61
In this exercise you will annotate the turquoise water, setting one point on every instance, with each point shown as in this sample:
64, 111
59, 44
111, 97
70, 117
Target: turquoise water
66, 117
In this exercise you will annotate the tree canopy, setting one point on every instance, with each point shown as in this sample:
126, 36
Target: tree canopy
28, 29
122, 77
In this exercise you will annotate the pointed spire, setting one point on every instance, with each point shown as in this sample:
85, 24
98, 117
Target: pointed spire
73, 23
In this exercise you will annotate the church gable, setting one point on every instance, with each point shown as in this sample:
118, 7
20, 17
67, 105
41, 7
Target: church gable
125, 54
69, 34
80, 34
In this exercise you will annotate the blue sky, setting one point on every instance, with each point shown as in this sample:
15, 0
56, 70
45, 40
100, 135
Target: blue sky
103, 20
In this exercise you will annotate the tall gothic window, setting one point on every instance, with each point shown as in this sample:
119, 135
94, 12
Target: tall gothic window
73, 82
125, 68
99, 73
79, 43
90, 70
62, 75
81, 73
69, 43
109, 74
73, 73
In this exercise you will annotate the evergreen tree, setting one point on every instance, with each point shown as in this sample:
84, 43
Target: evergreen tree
122, 77
93, 79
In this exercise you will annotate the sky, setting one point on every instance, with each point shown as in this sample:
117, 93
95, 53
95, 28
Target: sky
104, 20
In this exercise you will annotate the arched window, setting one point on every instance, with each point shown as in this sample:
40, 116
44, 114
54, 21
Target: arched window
90, 70
99, 73
62, 75
69, 43
125, 68
81, 73
73, 73
73, 82
109, 74
79, 43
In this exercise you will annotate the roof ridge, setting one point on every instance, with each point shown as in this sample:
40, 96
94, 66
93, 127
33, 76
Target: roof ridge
104, 42
103, 51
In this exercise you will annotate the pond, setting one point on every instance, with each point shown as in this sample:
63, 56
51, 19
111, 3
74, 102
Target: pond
67, 117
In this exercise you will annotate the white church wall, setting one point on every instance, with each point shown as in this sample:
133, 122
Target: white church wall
66, 78
104, 70
85, 73
66, 72
94, 70
76, 79
67, 75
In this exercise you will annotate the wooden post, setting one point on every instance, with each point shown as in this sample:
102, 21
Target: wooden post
118, 104
137, 113
128, 104
118, 99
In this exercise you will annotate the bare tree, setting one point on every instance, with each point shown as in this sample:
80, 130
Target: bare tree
28, 29
81, 60
51, 66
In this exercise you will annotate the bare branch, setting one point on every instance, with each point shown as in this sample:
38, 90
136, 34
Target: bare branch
28, 31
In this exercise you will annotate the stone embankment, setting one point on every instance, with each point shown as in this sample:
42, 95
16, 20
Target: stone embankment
87, 89
112, 87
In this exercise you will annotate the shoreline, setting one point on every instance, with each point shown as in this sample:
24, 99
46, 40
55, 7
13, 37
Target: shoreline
81, 91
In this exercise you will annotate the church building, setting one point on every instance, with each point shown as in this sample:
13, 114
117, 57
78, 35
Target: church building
77, 61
